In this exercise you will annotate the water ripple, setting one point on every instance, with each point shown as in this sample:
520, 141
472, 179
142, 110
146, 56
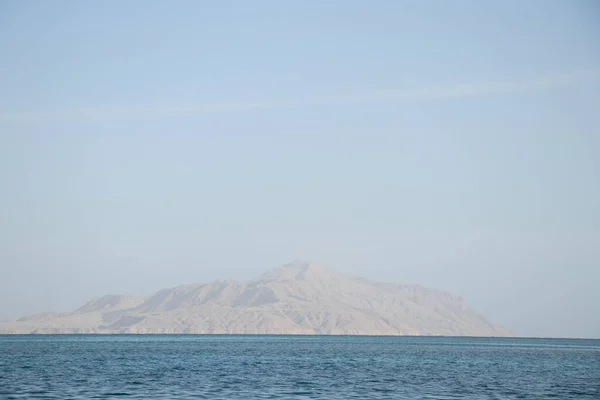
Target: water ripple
280, 367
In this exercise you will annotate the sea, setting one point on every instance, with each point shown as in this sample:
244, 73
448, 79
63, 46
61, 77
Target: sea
296, 367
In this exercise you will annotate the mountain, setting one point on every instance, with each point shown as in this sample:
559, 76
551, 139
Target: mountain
297, 298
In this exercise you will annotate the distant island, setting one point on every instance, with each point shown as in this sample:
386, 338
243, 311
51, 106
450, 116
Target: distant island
297, 298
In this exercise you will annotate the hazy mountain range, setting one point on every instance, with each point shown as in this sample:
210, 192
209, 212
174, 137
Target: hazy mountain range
298, 298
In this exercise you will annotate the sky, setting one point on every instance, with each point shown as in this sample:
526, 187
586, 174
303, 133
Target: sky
454, 144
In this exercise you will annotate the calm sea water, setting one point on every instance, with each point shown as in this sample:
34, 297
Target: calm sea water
292, 367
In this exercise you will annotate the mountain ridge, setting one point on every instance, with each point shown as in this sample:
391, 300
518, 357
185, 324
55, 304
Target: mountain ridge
295, 298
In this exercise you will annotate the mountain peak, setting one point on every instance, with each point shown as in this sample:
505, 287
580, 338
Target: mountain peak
111, 302
296, 270
296, 298
300, 264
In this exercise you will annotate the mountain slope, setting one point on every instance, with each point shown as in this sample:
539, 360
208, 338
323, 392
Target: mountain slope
297, 298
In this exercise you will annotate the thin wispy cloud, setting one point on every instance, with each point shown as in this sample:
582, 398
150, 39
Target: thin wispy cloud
414, 95
464, 90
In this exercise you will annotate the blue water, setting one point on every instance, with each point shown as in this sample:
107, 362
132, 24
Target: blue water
292, 367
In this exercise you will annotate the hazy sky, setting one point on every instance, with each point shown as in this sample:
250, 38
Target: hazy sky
456, 144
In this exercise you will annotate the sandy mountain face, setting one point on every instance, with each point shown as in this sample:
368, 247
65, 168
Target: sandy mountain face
298, 298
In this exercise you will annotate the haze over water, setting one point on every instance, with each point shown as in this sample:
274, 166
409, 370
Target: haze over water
146, 144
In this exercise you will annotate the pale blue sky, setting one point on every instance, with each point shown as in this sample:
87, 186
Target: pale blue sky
455, 144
